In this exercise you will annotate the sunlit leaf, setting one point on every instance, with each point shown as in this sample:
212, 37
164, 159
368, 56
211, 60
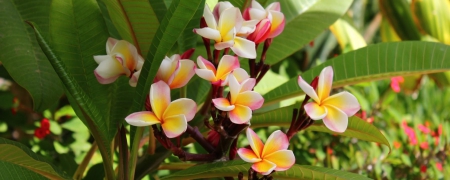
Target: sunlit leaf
433, 17
399, 15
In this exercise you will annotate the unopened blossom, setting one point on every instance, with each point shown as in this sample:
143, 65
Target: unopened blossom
242, 100
121, 58
271, 21
176, 72
335, 109
173, 116
223, 29
270, 156
207, 71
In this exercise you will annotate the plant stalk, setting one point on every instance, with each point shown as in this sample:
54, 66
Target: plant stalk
134, 151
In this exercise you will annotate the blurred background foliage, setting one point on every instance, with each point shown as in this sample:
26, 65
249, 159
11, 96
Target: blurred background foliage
411, 111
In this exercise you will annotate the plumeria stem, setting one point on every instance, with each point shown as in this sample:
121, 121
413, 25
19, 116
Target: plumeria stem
206, 41
123, 154
252, 64
134, 151
195, 133
216, 58
183, 91
151, 142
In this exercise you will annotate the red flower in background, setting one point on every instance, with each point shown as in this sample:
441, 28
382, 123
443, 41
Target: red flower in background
44, 130
410, 133
395, 83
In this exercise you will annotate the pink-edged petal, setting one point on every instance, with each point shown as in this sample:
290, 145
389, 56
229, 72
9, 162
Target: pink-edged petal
174, 126
206, 74
205, 64
276, 141
228, 19
275, 6
209, 33
184, 106
166, 69
235, 88
108, 71
278, 23
221, 6
126, 50
100, 58
110, 44
308, 89
251, 99
283, 159
159, 98
223, 45
255, 142
140, 63
226, 64
336, 120
183, 74
223, 104
255, 4
315, 111
247, 28
248, 155
240, 74
248, 84
325, 83
261, 32
240, 114
134, 79
257, 14
345, 102
244, 48
209, 18
264, 167
143, 118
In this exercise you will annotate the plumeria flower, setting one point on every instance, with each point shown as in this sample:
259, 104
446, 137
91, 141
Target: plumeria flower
122, 59
269, 157
335, 109
173, 116
242, 100
271, 21
223, 29
176, 72
208, 72
247, 27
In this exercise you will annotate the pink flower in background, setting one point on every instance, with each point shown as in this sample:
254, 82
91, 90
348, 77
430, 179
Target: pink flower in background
439, 166
424, 129
395, 83
424, 145
410, 133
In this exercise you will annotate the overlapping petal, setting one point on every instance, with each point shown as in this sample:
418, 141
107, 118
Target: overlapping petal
325, 83
159, 98
184, 106
182, 74
308, 89
283, 159
208, 72
108, 70
276, 141
174, 126
344, 101
315, 111
240, 114
251, 99
143, 118
248, 155
223, 104
255, 142
336, 120
244, 48
264, 167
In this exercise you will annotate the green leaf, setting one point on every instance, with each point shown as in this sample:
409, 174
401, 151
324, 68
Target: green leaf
372, 63
232, 168
305, 19
356, 128
188, 38
21, 55
399, 15
433, 17
83, 104
19, 162
135, 21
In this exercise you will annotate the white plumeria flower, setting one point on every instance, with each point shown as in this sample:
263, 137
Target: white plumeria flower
122, 59
242, 100
247, 27
224, 29
208, 72
335, 109
176, 72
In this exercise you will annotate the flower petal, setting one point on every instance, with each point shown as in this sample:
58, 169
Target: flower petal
143, 118
315, 111
184, 106
251, 99
248, 155
240, 114
209, 33
248, 84
308, 89
235, 88
276, 141
325, 83
223, 104
254, 142
226, 65
244, 48
257, 14
174, 126
100, 58
283, 159
344, 101
159, 98
227, 20
166, 69
240, 74
205, 64
183, 74
209, 18
108, 70
126, 50
110, 44
275, 6
225, 44
278, 23
206, 74
134, 79
264, 167
336, 120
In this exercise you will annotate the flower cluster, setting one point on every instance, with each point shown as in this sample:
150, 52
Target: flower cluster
44, 130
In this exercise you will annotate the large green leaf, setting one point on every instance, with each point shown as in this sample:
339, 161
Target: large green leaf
305, 19
433, 17
399, 15
21, 55
79, 32
232, 168
83, 103
19, 162
371, 63
357, 127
